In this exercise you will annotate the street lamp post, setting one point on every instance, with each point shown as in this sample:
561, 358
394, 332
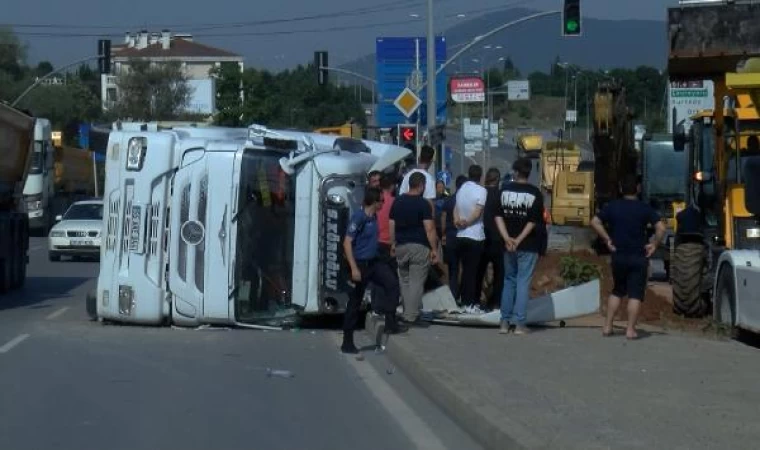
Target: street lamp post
431, 84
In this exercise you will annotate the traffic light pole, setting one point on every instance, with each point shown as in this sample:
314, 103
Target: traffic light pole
55, 72
431, 85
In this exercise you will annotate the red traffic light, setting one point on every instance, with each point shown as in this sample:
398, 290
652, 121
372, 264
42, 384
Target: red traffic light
408, 134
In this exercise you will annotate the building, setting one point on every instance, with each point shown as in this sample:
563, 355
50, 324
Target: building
197, 60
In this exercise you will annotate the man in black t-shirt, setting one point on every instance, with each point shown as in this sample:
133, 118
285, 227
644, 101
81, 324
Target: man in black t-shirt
520, 211
415, 243
493, 249
628, 218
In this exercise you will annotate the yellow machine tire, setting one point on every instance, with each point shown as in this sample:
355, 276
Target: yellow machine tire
687, 272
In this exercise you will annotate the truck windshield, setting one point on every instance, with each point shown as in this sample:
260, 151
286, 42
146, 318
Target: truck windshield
35, 167
265, 238
665, 171
84, 211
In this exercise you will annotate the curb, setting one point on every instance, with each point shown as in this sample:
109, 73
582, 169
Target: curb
473, 421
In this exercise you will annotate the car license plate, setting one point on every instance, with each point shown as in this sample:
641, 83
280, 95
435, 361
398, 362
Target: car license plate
81, 243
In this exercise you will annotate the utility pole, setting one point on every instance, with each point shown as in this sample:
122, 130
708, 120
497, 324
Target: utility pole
431, 84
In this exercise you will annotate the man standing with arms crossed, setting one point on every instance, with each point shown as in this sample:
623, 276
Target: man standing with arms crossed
628, 218
520, 212
468, 218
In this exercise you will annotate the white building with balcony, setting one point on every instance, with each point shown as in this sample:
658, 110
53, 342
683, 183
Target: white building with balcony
197, 61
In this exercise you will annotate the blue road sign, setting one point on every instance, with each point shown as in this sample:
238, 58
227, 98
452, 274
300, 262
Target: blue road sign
447, 154
395, 62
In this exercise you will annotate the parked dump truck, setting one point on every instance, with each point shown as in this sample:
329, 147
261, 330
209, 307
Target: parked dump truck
529, 144
16, 143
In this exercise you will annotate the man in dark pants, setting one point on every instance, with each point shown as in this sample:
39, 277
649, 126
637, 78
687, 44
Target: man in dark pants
360, 246
468, 217
493, 249
449, 243
628, 218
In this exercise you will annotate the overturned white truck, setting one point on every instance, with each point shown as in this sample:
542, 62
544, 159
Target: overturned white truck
228, 226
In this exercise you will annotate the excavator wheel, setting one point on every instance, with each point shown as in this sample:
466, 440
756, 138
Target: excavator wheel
687, 271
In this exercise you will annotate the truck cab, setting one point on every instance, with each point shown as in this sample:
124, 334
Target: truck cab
228, 226
39, 185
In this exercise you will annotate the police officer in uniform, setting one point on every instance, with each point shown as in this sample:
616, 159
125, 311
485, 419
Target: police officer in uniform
361, 249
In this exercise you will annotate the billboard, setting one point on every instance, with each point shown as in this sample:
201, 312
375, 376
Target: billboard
468, 90
518, 90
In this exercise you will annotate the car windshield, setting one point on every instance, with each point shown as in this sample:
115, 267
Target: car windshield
84, 211
265, 238
665, 171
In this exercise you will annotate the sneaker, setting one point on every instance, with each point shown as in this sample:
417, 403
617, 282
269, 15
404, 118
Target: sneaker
503, 327
521, 330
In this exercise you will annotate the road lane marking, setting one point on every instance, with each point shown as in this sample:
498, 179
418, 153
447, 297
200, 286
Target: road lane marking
56, 314
13, 342
421, 435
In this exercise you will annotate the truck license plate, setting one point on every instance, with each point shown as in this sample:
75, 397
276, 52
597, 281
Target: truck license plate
81, 243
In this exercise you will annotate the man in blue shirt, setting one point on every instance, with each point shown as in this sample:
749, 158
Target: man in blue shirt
361, 250
628, 218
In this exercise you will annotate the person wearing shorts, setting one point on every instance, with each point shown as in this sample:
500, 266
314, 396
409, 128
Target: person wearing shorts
627, 219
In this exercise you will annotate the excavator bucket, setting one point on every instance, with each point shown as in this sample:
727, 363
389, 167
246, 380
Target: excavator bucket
734, 34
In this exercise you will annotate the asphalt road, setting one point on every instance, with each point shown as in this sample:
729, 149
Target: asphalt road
69, 383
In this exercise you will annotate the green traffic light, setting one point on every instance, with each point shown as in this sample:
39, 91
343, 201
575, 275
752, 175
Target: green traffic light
571, 26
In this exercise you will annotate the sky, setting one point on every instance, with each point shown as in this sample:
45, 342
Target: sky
64, 31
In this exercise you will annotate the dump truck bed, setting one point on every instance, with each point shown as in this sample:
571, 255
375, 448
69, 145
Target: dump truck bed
73, 170
16, 135
558, 157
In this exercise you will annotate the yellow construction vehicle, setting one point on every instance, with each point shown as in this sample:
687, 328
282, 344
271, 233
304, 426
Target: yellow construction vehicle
718, 147
557, 157
349, 129
529, 145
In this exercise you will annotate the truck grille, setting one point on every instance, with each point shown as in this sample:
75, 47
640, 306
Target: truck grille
742, 242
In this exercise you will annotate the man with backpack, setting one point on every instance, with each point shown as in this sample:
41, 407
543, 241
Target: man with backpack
520, 222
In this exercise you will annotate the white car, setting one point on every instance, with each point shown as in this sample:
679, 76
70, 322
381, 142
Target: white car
77, 233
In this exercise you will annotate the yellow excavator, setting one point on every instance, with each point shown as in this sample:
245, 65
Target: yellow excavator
718, 256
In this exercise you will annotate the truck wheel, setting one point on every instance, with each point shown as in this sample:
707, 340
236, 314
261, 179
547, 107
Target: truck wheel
92, 305
686, 272
725, 297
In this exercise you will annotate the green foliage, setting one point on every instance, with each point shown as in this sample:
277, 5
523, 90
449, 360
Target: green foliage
525, 112
12, 54
574, 271
152, 91
290, 99
62, 104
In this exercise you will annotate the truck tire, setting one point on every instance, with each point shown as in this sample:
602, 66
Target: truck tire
92, 305
687, 272
725, 297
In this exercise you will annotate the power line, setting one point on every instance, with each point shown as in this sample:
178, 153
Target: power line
384, 7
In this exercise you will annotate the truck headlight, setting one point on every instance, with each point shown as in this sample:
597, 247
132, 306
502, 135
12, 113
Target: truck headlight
136, 153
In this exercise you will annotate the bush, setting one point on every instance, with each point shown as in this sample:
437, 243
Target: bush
574, 271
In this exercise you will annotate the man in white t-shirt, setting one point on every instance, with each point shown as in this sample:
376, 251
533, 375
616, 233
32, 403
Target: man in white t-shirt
468, 218
424, 162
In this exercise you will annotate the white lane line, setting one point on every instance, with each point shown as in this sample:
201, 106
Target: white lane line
421, 435
56, 314
13, 342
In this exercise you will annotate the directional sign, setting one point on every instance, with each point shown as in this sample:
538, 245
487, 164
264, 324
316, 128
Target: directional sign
407, 102
407, 134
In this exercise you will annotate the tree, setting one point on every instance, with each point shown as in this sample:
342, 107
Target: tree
152, 91
12, 54
72, 102
228, 80
43, 68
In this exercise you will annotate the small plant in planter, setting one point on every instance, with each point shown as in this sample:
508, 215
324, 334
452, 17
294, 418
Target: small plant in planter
574, 271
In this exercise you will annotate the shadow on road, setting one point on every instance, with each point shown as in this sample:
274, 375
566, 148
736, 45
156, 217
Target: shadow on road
40, 289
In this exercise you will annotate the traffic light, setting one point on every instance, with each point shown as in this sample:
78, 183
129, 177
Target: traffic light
320, 62
571, 18
407, 136
104, 56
